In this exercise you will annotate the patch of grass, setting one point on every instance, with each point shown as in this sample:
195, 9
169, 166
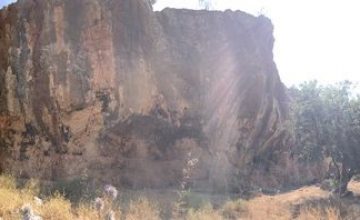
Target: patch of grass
277, 207
7, 182
330, 213
205, 213
75, 189
31, 188
234, 209
86, 212
11, 198
194, 201
57, 208
264, 207
10, 201
142, 209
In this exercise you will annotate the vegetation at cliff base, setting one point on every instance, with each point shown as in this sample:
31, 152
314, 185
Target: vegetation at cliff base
326, 125
17, 202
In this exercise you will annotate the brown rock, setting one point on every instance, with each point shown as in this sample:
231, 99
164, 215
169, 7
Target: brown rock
123, 93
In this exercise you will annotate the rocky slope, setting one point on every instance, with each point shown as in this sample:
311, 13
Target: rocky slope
112, 90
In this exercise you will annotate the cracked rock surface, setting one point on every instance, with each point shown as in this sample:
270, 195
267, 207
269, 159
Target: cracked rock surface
123, 94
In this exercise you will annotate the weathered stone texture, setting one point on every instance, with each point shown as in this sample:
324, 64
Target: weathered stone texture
121, 93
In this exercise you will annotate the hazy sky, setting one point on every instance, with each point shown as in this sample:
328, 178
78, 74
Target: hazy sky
314, 39
5, 2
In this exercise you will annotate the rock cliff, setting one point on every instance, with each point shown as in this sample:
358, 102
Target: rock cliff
115, 91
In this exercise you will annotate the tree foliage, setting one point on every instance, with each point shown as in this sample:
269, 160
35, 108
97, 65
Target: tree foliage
326, 123
205, 4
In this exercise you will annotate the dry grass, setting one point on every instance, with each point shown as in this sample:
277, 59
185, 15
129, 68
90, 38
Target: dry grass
275, 207
318, 214
354, 186
56, 208
86, 212
206, 213
234, 209
265, 207
142, 209
11, 199
300, 195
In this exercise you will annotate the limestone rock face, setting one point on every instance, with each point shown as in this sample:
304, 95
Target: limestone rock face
120, 93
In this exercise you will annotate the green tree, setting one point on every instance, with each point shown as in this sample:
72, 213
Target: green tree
306, 108
326, 123
205, 4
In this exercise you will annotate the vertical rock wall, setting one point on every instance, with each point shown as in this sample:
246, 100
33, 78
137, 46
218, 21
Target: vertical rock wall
115, 91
